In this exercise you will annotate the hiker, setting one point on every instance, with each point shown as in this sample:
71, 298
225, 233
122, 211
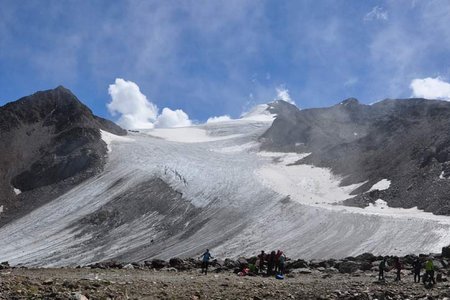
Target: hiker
261, 259
277, 260
417, 267
271, 263
205, 261
429, 270
398, 267
381, 268
282, 264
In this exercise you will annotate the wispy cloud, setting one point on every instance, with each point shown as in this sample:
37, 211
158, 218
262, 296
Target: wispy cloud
283, 94
377, 13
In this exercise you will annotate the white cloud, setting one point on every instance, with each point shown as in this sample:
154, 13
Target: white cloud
283, 94
172, 118
137, 112
377, 13
430, 88
218, 119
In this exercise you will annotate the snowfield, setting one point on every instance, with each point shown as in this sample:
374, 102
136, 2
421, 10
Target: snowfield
243, 201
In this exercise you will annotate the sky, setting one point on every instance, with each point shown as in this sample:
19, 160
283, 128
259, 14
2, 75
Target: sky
175, 63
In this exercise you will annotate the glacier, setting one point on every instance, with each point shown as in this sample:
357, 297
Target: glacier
240, 201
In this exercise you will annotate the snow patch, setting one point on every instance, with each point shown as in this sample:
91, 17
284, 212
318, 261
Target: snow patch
17, 191
381, 185
380, 207
109, 138
259, 113
187, 135
304, 184
1, 208
441, 176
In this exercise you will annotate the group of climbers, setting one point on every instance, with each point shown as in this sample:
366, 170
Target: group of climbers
275, 264
418, 264
275, 261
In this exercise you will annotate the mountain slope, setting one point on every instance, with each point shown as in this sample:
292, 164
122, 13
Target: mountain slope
404, 141
50, 143
176, 191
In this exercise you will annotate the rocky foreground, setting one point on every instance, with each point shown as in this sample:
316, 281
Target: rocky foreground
350, 278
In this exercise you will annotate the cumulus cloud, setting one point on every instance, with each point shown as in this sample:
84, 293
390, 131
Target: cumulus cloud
137, 112
172, 118
218, 119
377, 13
283, 94
431, 88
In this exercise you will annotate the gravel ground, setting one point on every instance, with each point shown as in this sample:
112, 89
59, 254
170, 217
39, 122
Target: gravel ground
150, 284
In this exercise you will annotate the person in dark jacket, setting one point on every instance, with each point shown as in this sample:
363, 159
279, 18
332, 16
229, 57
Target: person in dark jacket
261, 259
205, 261
398, 268
271, 263
417, 267
382, 268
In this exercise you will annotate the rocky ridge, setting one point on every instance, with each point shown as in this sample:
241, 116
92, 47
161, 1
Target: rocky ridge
50, 143
404, 141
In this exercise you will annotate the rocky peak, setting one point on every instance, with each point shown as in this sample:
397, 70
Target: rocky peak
50, 142
282, 109
350, 102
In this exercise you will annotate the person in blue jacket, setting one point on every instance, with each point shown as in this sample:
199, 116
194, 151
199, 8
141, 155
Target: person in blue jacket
205, 261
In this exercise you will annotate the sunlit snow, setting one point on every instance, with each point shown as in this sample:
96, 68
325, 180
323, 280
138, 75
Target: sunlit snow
381, 185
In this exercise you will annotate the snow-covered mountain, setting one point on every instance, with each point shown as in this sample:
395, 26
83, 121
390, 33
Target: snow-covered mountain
229, 186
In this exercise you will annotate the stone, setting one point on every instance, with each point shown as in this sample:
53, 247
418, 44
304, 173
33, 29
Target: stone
348, 267
176, 262
296, 264
128, 267
158, 264
78, 296
446, 251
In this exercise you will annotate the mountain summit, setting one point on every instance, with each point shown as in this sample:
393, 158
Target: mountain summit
50, 142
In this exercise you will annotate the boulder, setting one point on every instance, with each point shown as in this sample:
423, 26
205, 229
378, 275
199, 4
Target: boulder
446, 251
366, 257
78, 296
438, 264
366, 266
297, 264
4, 265
349, 267
242, 262
177, 263
230, 264
156, 263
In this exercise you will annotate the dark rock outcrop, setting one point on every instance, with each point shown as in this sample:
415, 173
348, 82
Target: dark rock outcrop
404, 141
50, 143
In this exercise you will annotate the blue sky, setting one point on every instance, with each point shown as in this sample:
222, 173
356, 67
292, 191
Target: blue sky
210, 58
